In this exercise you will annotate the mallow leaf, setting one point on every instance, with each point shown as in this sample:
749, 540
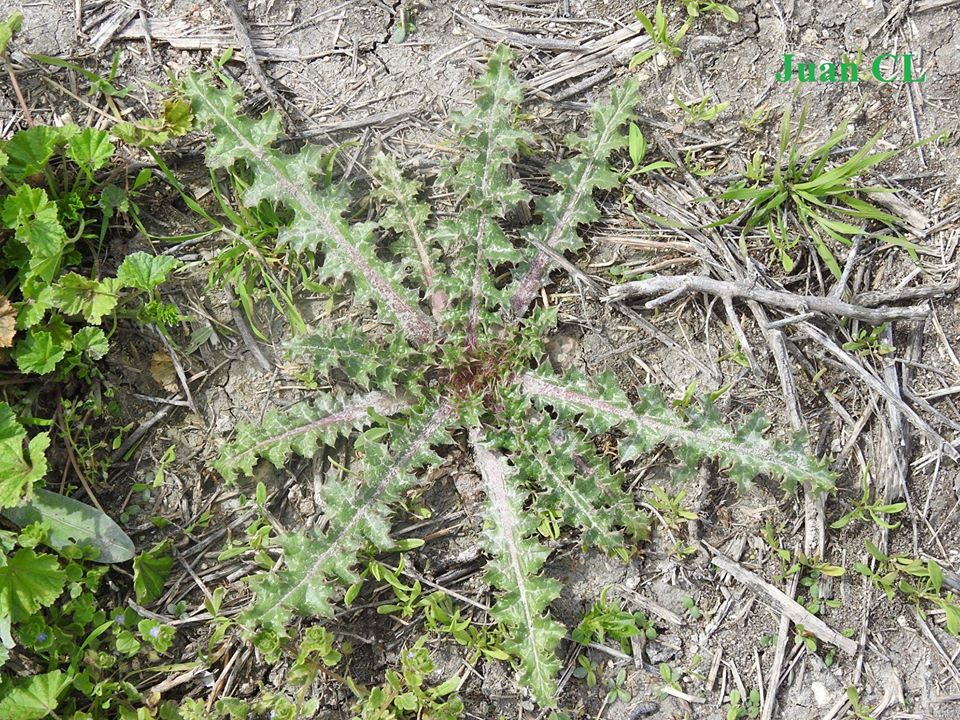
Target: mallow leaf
28, 151
144, 271
79, 295
35, 697
38, 353
19, 472
90, 149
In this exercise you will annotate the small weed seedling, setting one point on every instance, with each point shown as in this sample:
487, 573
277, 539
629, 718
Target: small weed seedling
740, 708
670, 507
869, 342
867, 511
696, 8
703, 110
657, 28
604, 619
458, 358
803, 195
406, 694
918, 581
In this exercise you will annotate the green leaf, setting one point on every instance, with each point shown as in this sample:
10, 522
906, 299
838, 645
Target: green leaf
150, 571
18, 474
28, 582
573, 205
319, 222
637, 144
71, 522
175, 121
38, 353
144, 271
531, 635
78, 295
743, 451
301, 428
29, 151
90, 149
91, 342
35, 697
36, 223
355, 512
8, 28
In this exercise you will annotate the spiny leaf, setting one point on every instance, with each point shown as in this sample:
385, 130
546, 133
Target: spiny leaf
578, 484
532, 636
381, 362
300, 429
744, 451
405, 215
318, 215
490, 139
578, 176
356, 511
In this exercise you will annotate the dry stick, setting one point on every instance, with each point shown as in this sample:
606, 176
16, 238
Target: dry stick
497, 35
250, 57
16, 89
775, 597
676, 285
875, 384
145, 22
178, 368
240, 321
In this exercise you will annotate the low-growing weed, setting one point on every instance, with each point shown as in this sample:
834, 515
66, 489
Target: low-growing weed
703, 110
866, 511
458, 357
800, 197
916, 580
658, 30
740, 708
406, 694
606, 620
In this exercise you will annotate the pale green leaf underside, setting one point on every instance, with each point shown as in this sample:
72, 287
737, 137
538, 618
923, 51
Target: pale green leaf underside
318, 215
357, 511
744, 451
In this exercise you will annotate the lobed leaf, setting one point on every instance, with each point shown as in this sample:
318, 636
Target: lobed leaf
531, 634
743, 451
578, 176
318, 221
300, 429
18, 474
356, 511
